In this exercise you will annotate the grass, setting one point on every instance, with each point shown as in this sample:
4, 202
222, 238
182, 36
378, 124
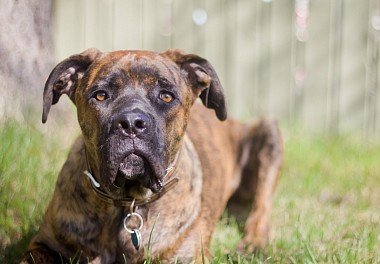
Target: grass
28, 168
326, 209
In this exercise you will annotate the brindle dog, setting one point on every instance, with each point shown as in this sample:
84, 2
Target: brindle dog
145, 149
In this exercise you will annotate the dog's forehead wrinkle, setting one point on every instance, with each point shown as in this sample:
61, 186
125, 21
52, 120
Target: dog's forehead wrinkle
113, 63
97, 69
111, 76
145, 71
158, 68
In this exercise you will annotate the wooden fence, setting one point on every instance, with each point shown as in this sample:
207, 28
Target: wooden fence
315, 63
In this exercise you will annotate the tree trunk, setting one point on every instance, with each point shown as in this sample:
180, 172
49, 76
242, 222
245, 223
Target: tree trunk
26, 55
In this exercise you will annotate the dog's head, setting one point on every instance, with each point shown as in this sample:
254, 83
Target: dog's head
133, 108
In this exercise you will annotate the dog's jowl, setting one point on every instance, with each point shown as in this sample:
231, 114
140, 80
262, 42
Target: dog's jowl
153, 169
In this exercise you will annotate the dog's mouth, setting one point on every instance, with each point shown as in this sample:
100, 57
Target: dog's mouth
135, 172
133, 166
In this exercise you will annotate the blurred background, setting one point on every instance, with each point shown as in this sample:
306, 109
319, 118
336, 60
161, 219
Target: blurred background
310, 63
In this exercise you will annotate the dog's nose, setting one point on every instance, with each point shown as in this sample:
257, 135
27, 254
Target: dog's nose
132, 123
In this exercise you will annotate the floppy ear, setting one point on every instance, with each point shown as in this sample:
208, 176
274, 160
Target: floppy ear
204, 80
64, 78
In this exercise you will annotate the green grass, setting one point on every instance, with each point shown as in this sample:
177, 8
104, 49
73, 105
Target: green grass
28, 169
326, 210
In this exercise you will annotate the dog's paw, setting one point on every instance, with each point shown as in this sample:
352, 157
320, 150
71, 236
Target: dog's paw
255, 240
41, 255
249, 248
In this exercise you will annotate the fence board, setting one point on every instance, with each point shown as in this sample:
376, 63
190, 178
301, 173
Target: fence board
68, 30
183, 36
315, 114
354, 50
281, 77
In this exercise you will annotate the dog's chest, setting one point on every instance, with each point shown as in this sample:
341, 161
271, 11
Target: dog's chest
169, 219
161, 231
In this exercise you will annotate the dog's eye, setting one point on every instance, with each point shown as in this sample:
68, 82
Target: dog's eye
100, 96
166, 97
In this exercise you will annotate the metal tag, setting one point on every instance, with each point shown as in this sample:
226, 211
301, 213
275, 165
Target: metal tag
136, 238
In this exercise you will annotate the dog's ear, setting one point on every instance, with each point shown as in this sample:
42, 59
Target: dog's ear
64, 78
204, 80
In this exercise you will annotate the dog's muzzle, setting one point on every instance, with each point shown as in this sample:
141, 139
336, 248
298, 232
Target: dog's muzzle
132, 153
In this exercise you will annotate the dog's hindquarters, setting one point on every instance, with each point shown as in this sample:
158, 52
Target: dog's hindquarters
260, 161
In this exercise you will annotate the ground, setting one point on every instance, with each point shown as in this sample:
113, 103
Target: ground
326, 208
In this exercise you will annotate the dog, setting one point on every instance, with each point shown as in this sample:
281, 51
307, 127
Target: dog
153, 169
